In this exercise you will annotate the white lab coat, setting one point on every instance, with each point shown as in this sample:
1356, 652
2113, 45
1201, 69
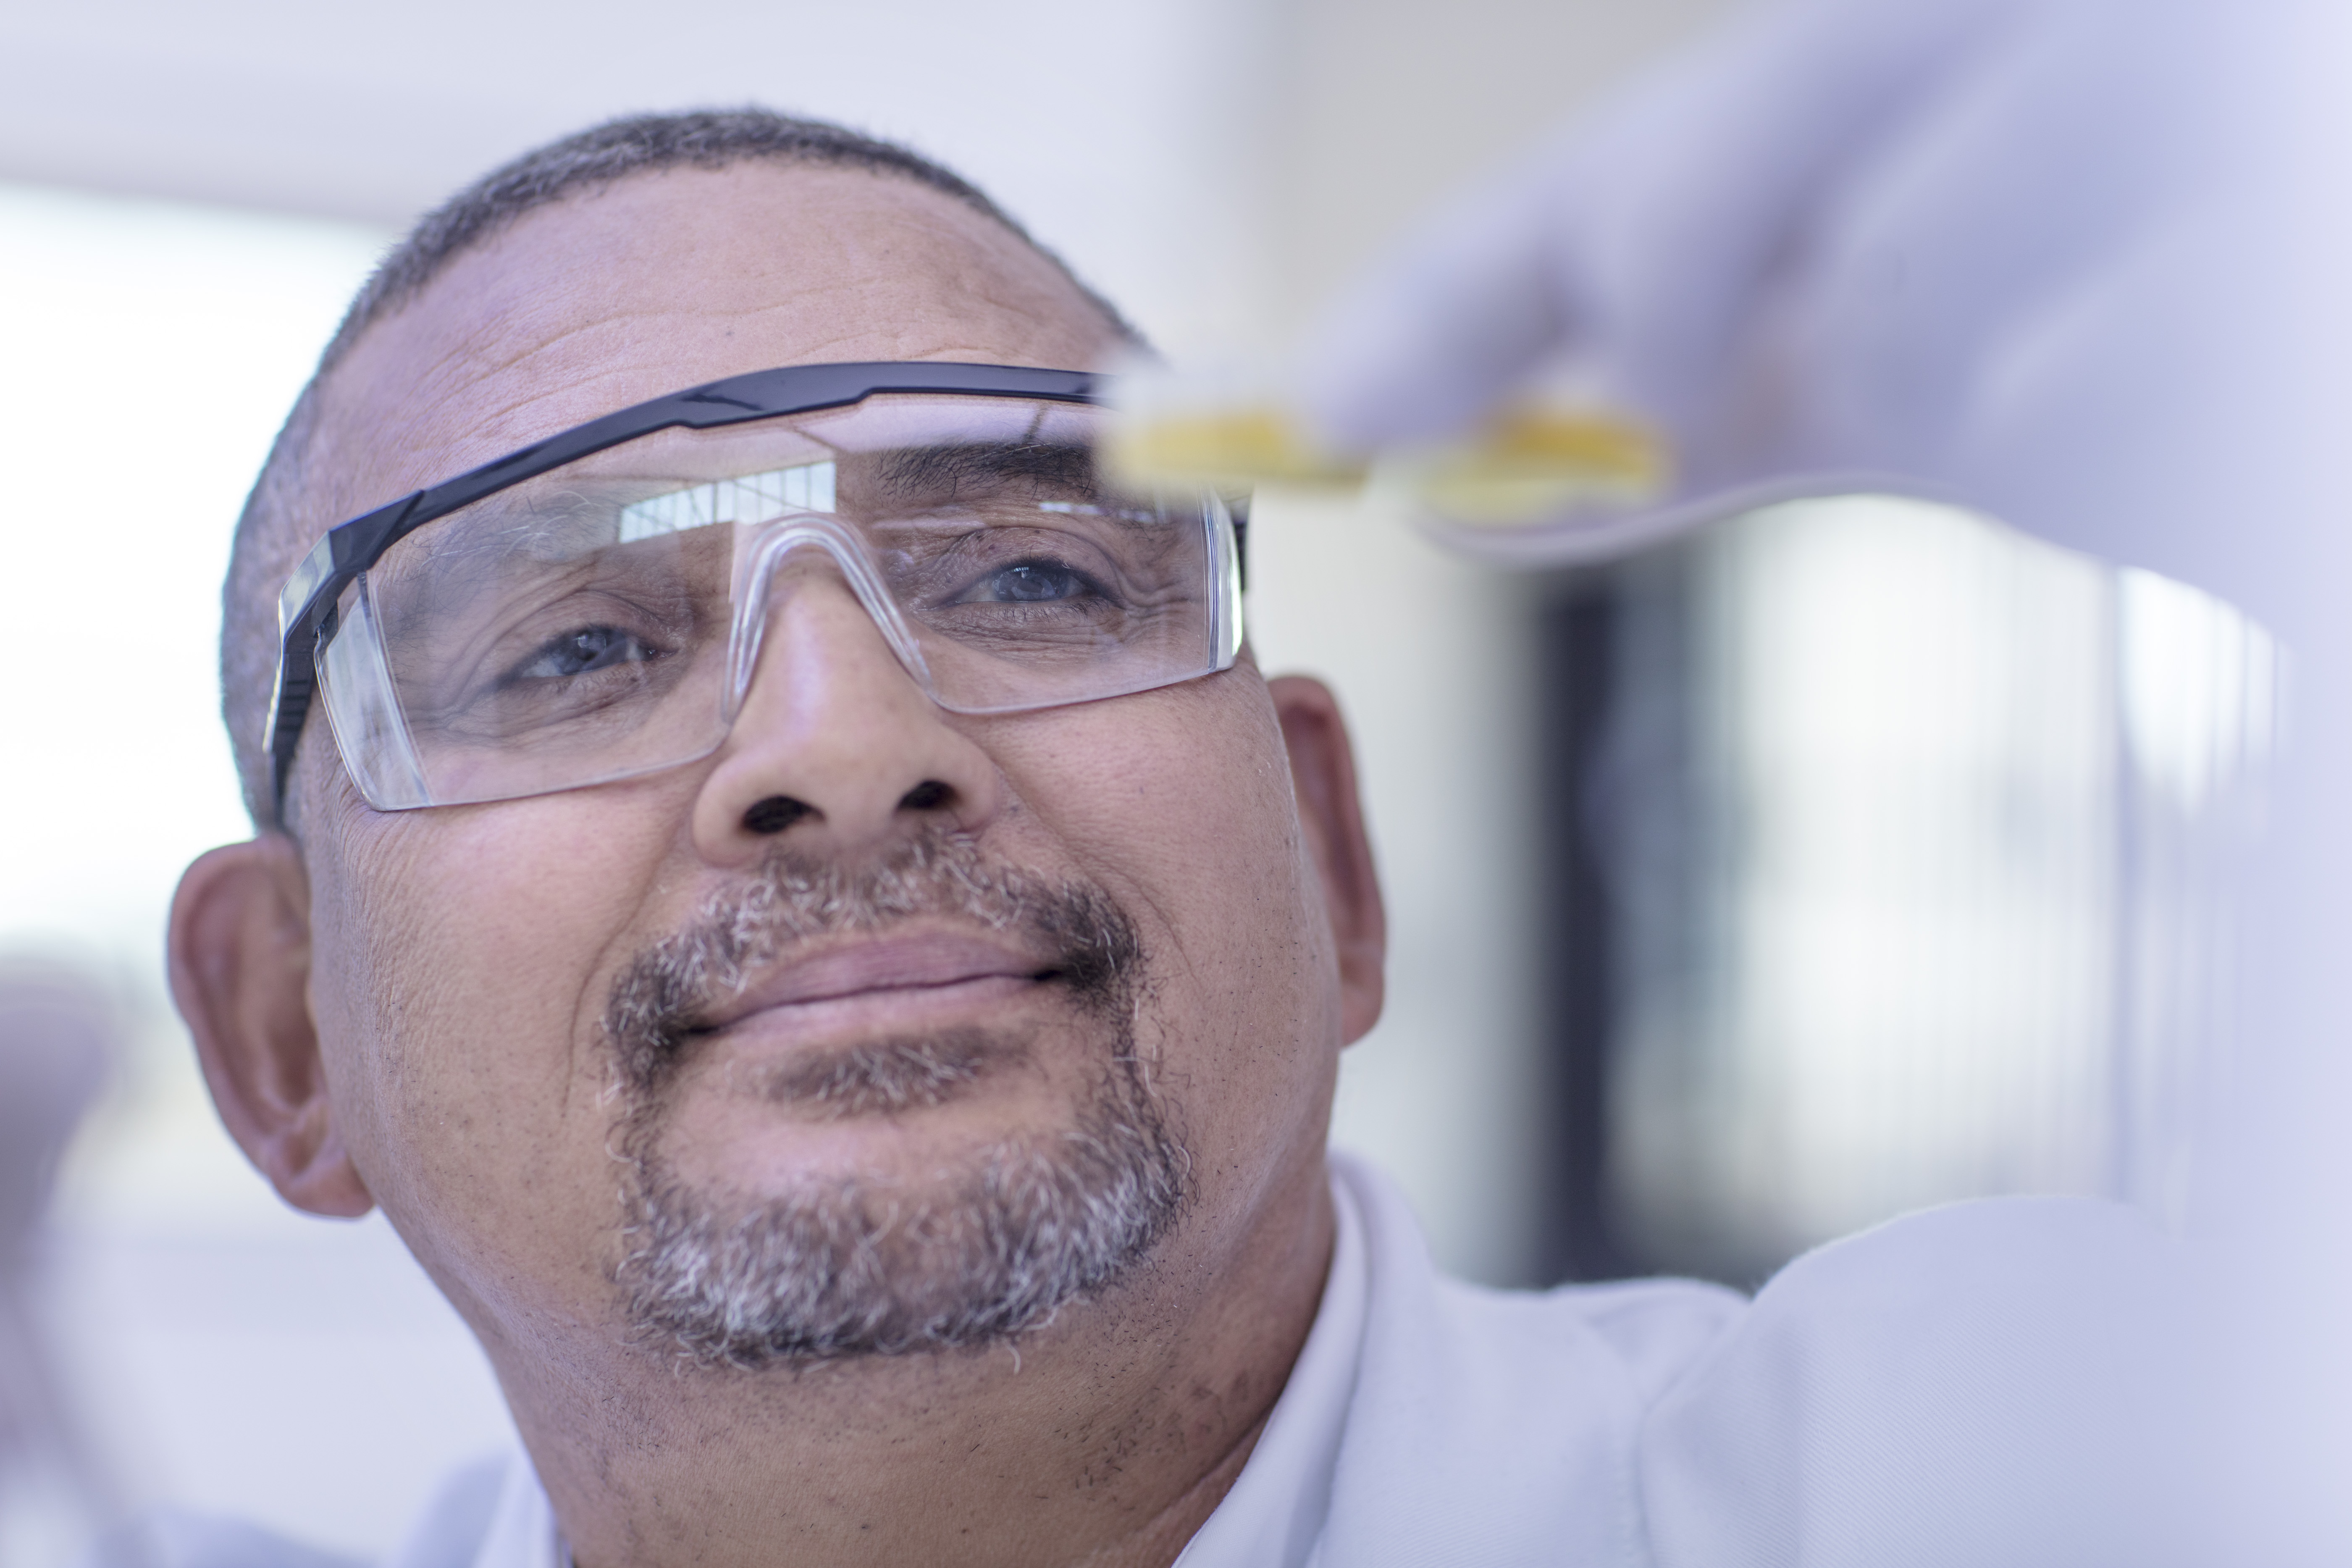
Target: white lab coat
1942, 1390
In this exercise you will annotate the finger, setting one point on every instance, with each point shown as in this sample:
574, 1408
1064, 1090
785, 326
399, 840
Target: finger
1640, 240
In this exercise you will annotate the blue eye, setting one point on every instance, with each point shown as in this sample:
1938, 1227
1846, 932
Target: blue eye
1032, 581
582, 652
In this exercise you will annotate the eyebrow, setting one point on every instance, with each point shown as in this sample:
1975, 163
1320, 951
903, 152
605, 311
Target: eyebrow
946, 469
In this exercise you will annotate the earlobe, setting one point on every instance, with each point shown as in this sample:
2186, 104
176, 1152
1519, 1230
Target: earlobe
1323, 773
240, 964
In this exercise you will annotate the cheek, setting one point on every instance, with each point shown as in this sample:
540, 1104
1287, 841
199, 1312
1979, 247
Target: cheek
459, 981
1183, 809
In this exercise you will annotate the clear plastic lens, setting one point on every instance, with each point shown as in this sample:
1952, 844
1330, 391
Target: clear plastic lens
605, 619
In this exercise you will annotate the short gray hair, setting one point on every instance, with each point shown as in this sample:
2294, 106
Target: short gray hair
298, 476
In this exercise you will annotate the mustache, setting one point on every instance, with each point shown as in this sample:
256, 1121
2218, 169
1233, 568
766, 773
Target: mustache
664, 996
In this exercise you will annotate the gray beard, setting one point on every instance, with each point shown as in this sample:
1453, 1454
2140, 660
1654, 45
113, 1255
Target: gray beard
864, 1267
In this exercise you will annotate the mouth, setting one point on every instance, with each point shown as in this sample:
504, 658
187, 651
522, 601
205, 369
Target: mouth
891, 979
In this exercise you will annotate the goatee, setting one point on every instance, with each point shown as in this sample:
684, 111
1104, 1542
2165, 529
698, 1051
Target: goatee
862, 1266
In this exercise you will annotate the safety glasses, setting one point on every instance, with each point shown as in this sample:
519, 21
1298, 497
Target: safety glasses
592, 608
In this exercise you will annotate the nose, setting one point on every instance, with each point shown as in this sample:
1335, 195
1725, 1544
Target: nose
835, 747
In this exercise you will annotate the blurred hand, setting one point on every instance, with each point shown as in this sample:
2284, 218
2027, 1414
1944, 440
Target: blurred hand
2047, 257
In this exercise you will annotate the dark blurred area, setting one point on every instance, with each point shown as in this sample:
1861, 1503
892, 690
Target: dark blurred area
1885, 859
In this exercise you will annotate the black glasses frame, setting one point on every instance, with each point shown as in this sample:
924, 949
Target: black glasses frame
307, 603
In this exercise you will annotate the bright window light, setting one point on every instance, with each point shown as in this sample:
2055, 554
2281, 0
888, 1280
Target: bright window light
152, 348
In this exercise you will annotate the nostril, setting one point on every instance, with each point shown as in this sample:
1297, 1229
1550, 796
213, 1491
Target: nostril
776, 814
929, 796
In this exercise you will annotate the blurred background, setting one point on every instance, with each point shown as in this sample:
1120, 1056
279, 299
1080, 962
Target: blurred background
1845, 858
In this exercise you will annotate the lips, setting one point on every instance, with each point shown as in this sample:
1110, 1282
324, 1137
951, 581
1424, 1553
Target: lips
914, 966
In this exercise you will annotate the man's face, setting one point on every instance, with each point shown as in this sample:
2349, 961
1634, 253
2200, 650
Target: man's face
869, 964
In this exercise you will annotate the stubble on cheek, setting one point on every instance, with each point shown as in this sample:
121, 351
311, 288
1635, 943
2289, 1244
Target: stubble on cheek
1198, 810
455, 984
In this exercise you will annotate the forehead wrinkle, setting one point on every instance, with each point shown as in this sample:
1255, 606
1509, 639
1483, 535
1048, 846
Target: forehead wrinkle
530, 406
855, 323
967, 292
876, 290
402, 442
462, 412
533, 389
459, 348
956, 254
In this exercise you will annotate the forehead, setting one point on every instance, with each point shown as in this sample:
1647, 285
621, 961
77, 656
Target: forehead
665, 281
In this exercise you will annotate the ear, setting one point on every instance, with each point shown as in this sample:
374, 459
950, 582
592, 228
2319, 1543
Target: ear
240, 961
1323, 773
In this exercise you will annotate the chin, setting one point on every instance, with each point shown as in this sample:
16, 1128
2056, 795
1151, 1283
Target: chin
931, 1228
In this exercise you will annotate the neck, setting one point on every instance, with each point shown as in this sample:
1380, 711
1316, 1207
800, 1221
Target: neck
1105, 1439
